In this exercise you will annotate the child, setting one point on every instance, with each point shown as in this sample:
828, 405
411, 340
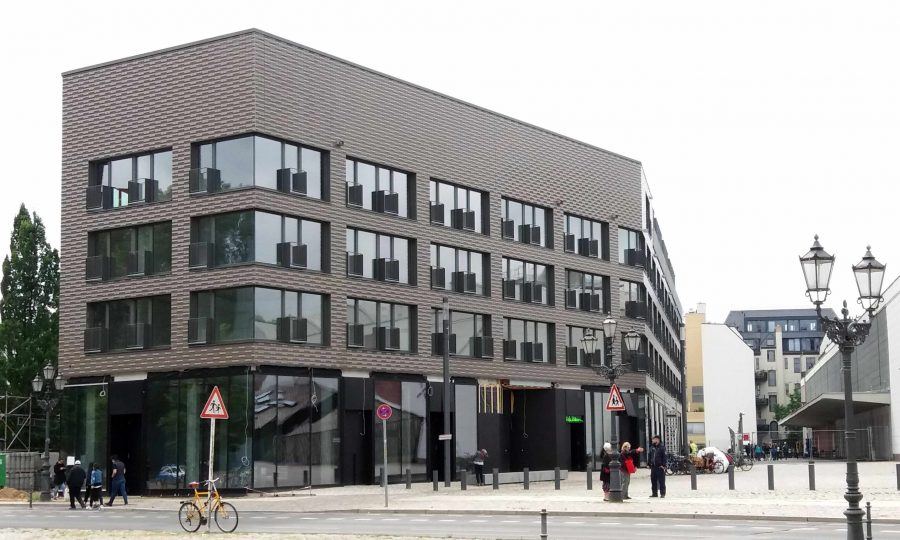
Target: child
96, 483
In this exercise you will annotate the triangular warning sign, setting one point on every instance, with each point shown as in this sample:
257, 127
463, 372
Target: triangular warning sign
215, 406
615, 401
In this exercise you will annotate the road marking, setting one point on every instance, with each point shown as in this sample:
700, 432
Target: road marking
804, 529
763, 528
394, 519
608, 523
723, 526
645, 524
573, 522
363, 519
477, 521
685, 525
447, 520
266, 517
420, 520
890, 531
335, 519
510, 521
840, 530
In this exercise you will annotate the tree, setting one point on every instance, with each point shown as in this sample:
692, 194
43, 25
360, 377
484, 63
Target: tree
783, 411
29, 305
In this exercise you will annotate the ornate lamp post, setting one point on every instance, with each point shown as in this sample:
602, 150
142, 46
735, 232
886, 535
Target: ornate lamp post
51, 384
847, 334
611, 370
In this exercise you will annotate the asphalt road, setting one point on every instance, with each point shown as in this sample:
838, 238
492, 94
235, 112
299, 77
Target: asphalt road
453, 525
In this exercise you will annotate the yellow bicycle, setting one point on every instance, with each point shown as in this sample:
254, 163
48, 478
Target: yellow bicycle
192, 514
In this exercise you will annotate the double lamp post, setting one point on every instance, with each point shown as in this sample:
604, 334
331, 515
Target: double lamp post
847, 334
47, 390
611, 370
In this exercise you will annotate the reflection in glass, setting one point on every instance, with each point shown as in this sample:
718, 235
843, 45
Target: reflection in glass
234, 159
466, 430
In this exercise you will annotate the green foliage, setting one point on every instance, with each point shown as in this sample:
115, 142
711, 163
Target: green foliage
782, 411
29, 305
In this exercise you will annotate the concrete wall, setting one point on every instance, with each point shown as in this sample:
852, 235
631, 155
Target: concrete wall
728, 383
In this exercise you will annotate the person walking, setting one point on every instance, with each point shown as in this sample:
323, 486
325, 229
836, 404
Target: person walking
59, 479
478, 462
605, 459
117, 481
759, 452
658, 468
630, 458
96, 486
75, 480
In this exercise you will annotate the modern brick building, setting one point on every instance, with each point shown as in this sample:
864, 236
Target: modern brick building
246, 212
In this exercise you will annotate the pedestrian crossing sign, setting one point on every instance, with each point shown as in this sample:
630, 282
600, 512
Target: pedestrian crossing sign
215, 406
615, 402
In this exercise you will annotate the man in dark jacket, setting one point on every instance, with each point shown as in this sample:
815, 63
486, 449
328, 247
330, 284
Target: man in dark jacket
59, 479
117, 481
658, 467
75, 480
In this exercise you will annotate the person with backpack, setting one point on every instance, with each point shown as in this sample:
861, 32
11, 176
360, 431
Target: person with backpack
117, 481
629, 459
96, 486
75, 480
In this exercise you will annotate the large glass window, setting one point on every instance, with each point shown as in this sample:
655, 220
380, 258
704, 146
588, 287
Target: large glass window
631, 296
576, 354
528, 341
379, 188
260, 161
138, 178
465, 435
458, 207
130, 251
128, 324
407, 429
468, 332
586, 291
525, 222
83, 424
380, 325
379, 256
459, 270
586, 237
631, 247
527, 281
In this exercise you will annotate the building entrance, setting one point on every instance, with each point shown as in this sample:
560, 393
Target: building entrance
125, 442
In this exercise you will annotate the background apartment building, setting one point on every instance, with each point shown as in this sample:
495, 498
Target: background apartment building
785, 345
284, 224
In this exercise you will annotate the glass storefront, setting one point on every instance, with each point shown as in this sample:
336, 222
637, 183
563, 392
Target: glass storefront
407, 429
466, 428
84, 417
598, 425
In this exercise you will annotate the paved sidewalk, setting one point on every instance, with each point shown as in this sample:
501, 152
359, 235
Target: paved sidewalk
751, 498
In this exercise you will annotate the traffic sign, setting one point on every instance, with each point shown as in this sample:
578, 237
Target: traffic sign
215, 406
384, 412
615, 401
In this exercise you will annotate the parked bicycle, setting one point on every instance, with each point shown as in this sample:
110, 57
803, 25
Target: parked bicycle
677, 464
741, 461
192, 514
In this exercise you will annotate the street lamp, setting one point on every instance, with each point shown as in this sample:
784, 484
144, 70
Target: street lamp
847, 334
51, 384
611, 370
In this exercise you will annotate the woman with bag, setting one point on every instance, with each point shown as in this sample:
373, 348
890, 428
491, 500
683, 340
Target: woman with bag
605, 458
628, 458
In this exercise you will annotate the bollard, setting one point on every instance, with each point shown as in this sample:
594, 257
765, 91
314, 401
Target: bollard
898, 477
556, 478
434, 478
771, 471
463, 479
590, 478
812, 476
408, 479
525, 472
496, 479
693, 478
544, 524
868, 520
731, 477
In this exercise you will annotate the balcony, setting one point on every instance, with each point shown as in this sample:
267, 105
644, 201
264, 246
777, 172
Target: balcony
142, 190
355, 335
463, 282
576, 357
291, 255
95, 339
201, 255
438, 278
640, 362
436, 213
462, 219
204, 180
385, 202
137, 336
761, 375
762, 401
355, 263
588, 247
290, 180
387, 270
201, 330
98, 197
635, 257
636, 310
96, 268
387, 338
139, 263
292, 330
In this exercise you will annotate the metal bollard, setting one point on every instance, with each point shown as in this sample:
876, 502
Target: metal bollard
556, 478
525, 472
408, 479
771, 471
731, 477
434, 479
496, 479
590, 478
693, 478
812, 476
868, 520
544, 524
898, 477
463, 478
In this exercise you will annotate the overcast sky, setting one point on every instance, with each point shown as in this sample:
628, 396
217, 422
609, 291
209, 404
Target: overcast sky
758, 123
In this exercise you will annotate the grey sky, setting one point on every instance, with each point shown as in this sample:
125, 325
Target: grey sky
757, 123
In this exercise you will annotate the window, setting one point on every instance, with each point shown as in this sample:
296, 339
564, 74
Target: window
810, 362
792, 325
587, 237
458, 207
576, 355
772, 381
470, 334
380, 256
380, 325
459, 270
771, 326
791, 344
525, 222
773, 402
380, 188
696, 428
811, 325
254, 236
259, 161
631, 247
527, 341
697, 394
631, 299
257, 313
770, 342
756, 326
809, 344
132, 251
797, 367
129, 324
134, 179
588, 292
770, 355
752, 343
527, 281
796, 387
785, 363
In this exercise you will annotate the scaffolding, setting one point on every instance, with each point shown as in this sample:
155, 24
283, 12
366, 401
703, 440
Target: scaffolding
16, 423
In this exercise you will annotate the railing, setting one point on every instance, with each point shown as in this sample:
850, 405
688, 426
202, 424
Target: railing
200, 330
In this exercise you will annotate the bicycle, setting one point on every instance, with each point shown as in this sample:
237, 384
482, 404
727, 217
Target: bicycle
742, 462
192, 514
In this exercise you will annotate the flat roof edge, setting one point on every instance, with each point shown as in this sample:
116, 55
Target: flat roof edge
348, 63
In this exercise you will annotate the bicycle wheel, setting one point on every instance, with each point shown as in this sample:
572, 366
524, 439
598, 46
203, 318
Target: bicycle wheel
189, 517
226, 517
746, 465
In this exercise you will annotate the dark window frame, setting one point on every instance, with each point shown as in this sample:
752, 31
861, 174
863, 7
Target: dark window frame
410, 186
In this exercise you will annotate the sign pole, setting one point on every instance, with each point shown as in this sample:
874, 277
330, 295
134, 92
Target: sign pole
213, 410
212, 445
384, 472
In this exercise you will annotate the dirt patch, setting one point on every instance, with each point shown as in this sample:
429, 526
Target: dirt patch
12, 494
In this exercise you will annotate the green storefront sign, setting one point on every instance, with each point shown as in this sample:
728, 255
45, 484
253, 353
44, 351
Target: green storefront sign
574, 419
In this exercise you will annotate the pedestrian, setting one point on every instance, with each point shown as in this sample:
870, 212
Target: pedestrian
117, 481
59, 479
629, 467
96, 489
605, 459
758, 452
658, 468
693, 448
74, 481
478, 462
774, 452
